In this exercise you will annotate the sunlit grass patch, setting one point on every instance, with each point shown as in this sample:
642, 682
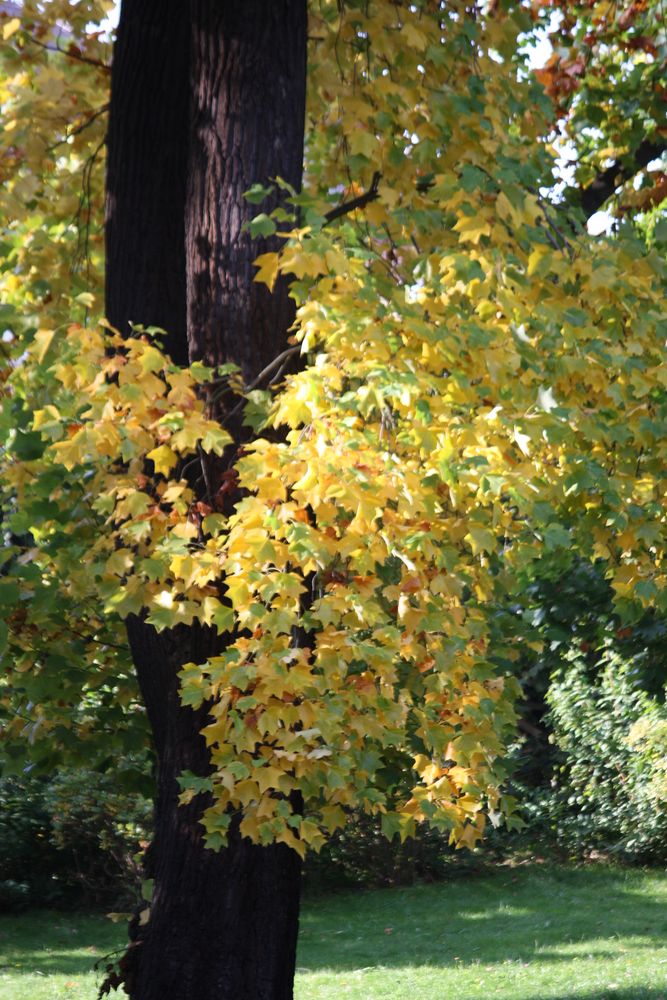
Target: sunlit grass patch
538, 933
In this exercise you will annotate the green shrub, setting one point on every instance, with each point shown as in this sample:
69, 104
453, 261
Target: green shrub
609, 789
31, 867
648, 739
101, 830
14, 896
361, 855
73, 838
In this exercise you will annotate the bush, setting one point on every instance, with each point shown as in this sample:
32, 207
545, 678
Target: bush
361, 855
70, 839
610, 785
14, 896
101, 830
648, 739
76, 839
30, 865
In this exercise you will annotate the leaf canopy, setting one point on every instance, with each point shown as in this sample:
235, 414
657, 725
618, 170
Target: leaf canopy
484, 390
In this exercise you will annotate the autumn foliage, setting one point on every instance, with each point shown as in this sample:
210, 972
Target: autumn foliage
482, 387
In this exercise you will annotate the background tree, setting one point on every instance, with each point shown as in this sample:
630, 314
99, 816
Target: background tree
606, 76
474, 402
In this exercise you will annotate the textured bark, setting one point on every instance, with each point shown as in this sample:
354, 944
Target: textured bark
222, 925
146, 171
207, 98
248, 65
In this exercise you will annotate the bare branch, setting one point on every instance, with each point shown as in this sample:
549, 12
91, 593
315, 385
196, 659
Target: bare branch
276, 363
596, 194
81, 127
360, 202
71, 53
271, 367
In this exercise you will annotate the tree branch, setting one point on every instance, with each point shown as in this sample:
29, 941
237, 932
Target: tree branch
596, 194
71, 53
81, 127
360, 202
276, 363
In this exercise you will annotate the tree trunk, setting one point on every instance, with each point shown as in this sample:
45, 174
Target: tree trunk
208, 97
146, 171
248, 70
223, 924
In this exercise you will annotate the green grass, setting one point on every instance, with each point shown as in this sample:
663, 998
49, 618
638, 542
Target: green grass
49, 955
538, 933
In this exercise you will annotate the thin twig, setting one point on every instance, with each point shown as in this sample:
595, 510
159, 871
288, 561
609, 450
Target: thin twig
80, 128
360, 202
565, 243
276, 363
100, 642
554, 242
204, 470
81, 253
77, 56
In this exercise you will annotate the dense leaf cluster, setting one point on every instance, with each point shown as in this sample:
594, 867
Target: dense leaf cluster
483, 389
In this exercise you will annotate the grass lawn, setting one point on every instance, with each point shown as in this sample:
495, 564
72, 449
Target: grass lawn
527, 933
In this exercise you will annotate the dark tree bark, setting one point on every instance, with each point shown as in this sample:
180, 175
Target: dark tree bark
146, 171
207, 98
248, 65
223, 924
593, 197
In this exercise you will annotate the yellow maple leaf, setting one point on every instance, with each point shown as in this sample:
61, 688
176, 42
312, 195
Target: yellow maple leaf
11, 27
363, 143
268, 265
43, 339
472, 228
163, 458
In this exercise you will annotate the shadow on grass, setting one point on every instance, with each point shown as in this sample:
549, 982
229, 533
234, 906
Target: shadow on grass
60, 963
524, 915
52, 943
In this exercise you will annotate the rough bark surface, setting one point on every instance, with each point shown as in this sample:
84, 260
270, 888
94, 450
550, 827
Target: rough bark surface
222, 925
248, 68
207, 98
146, 171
